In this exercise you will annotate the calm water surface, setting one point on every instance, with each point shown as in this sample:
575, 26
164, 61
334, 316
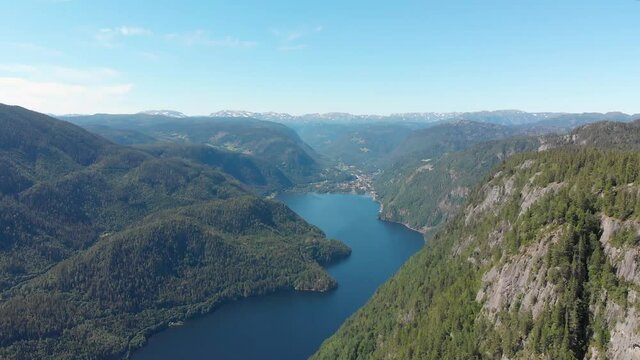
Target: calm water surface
292, 325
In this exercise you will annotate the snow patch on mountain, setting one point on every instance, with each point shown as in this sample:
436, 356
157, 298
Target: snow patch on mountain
168, 113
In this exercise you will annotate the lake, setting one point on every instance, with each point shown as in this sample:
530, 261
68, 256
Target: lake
292, 325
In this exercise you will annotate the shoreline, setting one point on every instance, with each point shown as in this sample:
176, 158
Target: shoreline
209, 307
363, 186
371, 194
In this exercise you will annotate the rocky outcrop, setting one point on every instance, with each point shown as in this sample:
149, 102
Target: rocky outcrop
495, 192
521, 282
531, 194
624, 339
625, 259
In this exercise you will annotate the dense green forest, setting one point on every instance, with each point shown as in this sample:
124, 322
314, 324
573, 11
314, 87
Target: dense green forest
260, 175
534, 267
436, 189
364, 145
424, 195
103, 245
267, 141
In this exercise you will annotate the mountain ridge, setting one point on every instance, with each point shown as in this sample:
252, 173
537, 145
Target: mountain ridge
102, 245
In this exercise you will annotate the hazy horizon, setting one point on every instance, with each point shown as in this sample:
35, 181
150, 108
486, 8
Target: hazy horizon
340, 112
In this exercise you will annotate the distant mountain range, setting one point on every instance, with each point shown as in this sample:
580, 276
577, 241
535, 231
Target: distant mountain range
102, 245
169, 113
536, 258
502, 117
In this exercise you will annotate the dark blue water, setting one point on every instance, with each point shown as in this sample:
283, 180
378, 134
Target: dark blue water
292, 325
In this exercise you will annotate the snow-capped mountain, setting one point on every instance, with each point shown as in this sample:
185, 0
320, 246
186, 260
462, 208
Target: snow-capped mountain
501, 117
425, 116
234, 114
168, 113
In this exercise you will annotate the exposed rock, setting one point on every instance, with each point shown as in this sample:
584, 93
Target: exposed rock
461, 246
624, 336
460, 191
595, 354
407, 317
497, 236
532, 194
625, 260
526, 164
494, 194
524, 276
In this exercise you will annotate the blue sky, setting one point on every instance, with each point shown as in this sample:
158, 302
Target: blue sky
86, 56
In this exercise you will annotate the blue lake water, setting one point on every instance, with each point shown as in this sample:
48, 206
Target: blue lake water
292, 325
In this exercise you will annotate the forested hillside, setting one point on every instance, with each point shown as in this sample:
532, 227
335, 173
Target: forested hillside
424, 195
540, 264
436, 189
268, 141
102, 245
605, 134
365, 145
259, 175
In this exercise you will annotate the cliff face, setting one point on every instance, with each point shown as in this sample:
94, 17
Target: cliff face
427, 194
542, 262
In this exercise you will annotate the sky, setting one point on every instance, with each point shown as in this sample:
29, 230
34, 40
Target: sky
364, 57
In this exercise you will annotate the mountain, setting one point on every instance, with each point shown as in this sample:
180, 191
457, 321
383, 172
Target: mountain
425, 194
540, 263
364, 145
260, 176
383, 145
267, 141
435, 190
454, 136
553, 120
167, 113
606, 134
103, 245
234, 114
567, 122
121, 136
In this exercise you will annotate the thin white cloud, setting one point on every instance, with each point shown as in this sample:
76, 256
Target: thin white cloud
291, 39
148, 55
293, 47
28, 48
125, 31
202, 38
61, 98
62, 89
108, 37
17, 68
90, 75
61, 73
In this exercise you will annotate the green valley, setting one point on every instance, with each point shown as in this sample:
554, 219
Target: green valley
103, 245
533, 267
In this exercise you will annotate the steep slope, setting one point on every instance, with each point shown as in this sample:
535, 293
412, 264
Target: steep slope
432, 142
103, 245
265, 140
257, 174
436, 189
567, 122
121, 136
605, 134
540, 264
425, 194
365, 145
424, 179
